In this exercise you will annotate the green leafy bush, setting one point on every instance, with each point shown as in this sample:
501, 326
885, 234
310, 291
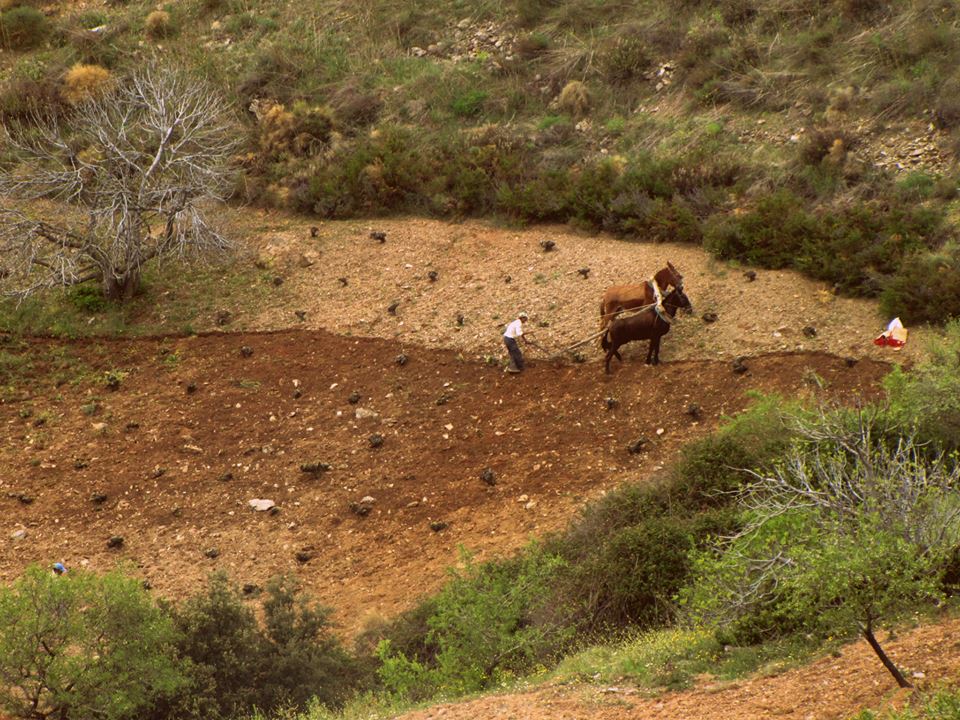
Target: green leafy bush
468, 104
87, 298
847, 532
237, 665
633, 576
22, 28
926, 400
491, 621
82, 645
926, 287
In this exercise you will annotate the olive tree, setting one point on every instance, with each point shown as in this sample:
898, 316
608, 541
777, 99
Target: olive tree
131, 170
847, 531
81, 645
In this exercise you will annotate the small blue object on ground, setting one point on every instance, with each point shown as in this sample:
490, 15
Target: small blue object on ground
59, 568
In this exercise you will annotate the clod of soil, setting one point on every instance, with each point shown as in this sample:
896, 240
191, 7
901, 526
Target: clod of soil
314, 467
360, 509
115, 542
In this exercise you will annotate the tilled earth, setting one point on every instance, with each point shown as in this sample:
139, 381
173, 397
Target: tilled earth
199, 426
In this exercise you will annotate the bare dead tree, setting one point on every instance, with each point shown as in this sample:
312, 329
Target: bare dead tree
136, 164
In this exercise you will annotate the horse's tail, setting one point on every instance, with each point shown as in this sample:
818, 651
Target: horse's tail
605, 340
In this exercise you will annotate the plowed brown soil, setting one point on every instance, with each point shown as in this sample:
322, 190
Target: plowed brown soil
179, 467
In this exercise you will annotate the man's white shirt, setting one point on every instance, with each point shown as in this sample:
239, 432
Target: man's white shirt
514, 329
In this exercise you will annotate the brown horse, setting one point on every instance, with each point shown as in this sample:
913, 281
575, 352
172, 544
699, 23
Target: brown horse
647, 325
634, 296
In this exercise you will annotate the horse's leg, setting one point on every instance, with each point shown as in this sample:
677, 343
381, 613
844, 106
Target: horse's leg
649, 360
610, 353
655, 348
617, 353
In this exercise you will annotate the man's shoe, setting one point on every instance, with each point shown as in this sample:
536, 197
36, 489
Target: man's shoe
511, 368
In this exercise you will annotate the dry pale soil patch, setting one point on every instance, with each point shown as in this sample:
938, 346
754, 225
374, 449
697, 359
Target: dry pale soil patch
201, 425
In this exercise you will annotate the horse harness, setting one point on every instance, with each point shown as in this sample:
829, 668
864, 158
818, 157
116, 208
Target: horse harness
658, 304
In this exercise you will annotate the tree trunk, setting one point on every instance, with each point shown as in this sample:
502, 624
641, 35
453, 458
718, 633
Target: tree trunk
122, 288
887, 663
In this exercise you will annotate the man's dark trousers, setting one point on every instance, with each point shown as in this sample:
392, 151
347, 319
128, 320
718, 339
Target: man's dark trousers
514, 349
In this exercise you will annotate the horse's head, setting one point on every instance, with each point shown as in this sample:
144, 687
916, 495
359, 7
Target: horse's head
677, 299
669, 277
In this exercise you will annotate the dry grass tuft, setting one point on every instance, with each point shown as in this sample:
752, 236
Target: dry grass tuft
574, 99
158, 24
83, 82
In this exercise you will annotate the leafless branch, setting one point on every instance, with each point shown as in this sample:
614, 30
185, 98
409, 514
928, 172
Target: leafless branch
154, 150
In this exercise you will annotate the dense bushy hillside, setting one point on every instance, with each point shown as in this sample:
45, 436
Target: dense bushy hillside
819, 134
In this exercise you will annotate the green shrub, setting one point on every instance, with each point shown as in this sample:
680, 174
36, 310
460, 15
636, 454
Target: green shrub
532, 45
772, 235
927, 399
92, 19
926, 287
22, 28
848, 531
23, 99
633, 577
491, 621
857, 247
82, 645
236, 665
625, 60
469, 104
